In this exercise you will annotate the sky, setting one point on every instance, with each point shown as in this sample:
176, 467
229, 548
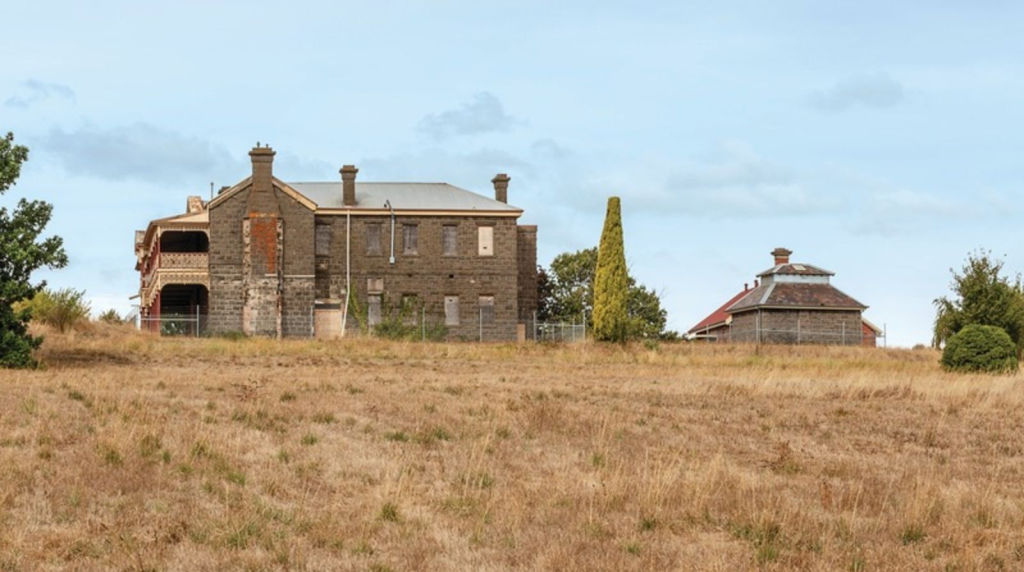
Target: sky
879, 140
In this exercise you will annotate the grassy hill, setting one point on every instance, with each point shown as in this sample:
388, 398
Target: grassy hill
134, 452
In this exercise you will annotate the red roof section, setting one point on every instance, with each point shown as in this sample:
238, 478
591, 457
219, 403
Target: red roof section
719, 316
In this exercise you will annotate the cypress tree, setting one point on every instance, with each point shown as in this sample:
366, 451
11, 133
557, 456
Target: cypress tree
611, 282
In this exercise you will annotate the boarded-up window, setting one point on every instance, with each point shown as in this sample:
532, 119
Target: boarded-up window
373, 309
451, 310
486, 240
323, 239
486, 309
373, 247
374, 285
449, 244
410, 238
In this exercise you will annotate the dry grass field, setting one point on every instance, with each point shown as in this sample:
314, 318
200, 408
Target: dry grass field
132, 452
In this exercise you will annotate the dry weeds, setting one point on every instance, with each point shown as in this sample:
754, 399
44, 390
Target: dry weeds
134, 452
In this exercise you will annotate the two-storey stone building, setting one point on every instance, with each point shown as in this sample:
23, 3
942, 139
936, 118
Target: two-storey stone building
265, 257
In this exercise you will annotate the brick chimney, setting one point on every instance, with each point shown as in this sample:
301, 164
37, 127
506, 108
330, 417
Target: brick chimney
261, 199
781, 255
501, 187
348, 185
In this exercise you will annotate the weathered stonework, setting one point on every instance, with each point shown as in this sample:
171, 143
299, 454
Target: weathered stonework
278, 266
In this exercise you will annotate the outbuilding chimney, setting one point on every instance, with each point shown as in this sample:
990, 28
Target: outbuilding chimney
781, 255
348, 185
501, 187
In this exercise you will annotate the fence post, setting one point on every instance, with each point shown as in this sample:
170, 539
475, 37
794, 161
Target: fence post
197, 320
844, 333
423, 323
535, 325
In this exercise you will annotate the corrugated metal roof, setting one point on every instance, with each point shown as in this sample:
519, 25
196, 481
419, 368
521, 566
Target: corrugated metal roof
403, 196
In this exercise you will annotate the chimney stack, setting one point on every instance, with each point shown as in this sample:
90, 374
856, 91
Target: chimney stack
501, 187
262, 167
261, 198
781, 255
348, 185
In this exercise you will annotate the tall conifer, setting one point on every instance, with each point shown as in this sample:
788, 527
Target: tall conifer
611, 282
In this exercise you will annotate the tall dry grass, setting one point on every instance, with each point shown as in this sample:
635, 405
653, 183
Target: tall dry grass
135, 452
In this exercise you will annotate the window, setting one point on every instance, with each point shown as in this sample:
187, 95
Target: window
449, 240
486, 240
323, 240
451, 310
486, 308
410, 238
374, 285
373, 239
373, 310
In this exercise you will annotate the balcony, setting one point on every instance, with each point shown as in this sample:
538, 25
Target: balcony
175, 268
183, 260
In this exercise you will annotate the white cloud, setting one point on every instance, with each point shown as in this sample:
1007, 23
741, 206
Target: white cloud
484, 114
737, 182
876, 90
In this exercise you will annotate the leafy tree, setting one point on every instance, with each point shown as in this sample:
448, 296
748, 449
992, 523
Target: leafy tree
545, 299
980, 348
984, 297
21, 253
569, 295
646, 316
572, 289
611, 281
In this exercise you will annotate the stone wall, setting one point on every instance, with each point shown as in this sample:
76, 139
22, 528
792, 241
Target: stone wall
261, 265
772, 326
429, 275
527, 280
226, 263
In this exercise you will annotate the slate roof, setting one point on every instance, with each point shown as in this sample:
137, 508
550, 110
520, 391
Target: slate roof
795, 295
403, 196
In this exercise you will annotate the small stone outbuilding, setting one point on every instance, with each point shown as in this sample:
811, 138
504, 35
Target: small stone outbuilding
790, 303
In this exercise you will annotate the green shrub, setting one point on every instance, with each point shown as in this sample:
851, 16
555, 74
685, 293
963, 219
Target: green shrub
980, 348
61, 309
111, 317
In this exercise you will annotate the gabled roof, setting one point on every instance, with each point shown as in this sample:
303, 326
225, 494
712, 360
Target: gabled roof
246, 182
788, 295
718, 317
402, 196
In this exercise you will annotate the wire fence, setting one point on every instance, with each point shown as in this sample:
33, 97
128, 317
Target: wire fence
843, 336
559, 332
175, 324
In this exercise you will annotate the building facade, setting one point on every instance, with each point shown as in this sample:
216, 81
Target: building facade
330, 258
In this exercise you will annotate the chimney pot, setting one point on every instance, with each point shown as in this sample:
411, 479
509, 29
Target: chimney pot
781, 255
746, 286
348, 185
501, 187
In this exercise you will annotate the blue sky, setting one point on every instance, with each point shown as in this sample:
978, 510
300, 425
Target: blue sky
878, 140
